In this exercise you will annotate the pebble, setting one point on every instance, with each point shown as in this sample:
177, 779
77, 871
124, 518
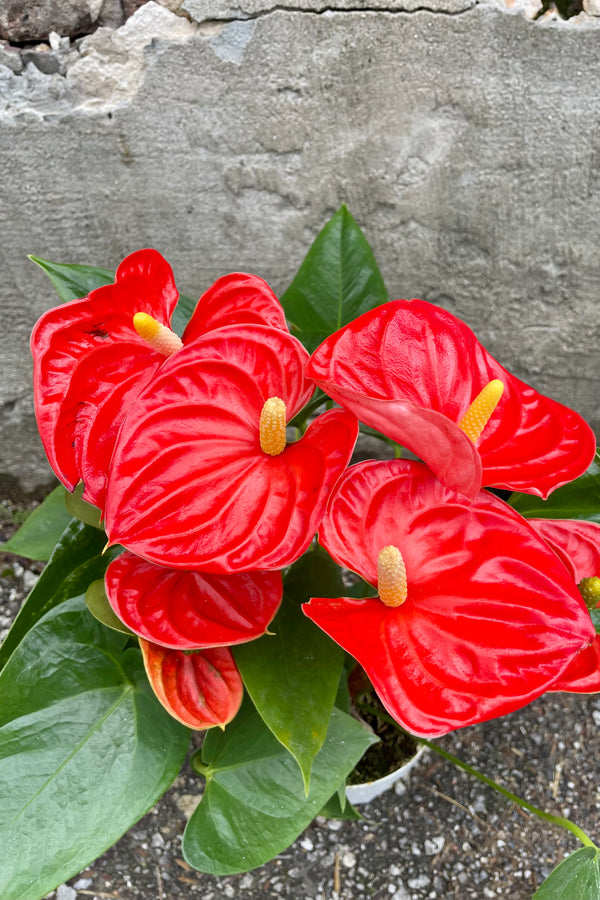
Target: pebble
64, 892
82, 884
434, 845
421, 881
348, 859
187, 803
401, 894
30, 579
307, 844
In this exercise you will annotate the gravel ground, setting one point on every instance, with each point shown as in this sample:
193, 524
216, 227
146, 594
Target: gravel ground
443, 836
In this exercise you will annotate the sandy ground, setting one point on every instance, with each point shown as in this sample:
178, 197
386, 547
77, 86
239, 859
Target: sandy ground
443, 836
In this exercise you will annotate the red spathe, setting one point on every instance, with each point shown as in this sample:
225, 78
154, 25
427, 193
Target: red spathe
411, 370
492, 617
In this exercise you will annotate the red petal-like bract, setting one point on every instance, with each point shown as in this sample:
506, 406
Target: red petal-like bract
492, 617
190, 486
90, 364
576, 541
236, 299
201, 689
96, 334
411, 370
577, 544
191, 610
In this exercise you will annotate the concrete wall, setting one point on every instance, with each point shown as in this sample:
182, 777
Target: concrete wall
464, 139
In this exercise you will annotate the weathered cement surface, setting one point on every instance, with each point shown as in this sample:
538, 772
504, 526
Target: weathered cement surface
467, 145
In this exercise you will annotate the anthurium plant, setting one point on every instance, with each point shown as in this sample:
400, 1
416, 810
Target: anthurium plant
225, 563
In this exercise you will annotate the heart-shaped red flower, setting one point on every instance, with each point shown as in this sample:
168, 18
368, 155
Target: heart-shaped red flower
191, 610
577, 543
201, 477
412, 371
485, 616
90, 362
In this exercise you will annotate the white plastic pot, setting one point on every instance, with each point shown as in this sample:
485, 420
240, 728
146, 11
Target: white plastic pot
363, 793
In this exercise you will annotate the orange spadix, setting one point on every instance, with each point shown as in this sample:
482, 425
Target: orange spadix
481, 409
272, 426
391, 576
161, 338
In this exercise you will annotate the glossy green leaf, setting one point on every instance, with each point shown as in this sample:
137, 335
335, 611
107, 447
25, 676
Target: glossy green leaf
338, 281
578, 500
338, 807
81, 509
99, 605
40, 531
254, 803
182, 313
85, 749
77, 560
73, 281
576, 878
292, 674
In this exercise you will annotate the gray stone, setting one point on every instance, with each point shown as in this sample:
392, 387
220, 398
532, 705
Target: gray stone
43, 58
112, 14
10, 57
64, 892
34, 21
465, 152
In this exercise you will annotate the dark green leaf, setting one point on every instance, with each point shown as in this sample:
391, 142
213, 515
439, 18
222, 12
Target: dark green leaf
72, 281
595, 617
578, 500
254, 804
81, 509
85, 749
99, 606
37, 536
77, 560
338, 281
338, 807
576, 878
182, 313
292, 675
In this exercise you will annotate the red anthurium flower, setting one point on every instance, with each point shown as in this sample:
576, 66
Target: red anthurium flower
191, 610
91, 359
202, 478
475, 617
577, 544
200, 688
419, 375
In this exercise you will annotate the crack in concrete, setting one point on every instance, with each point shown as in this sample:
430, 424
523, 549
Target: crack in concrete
240, 15
330, 10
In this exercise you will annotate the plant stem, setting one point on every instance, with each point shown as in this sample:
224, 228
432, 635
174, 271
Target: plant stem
301, 418
548, 817
366, 429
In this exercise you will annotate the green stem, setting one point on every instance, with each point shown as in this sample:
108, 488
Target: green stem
199, 766
548, 817
301, 418
365, 429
